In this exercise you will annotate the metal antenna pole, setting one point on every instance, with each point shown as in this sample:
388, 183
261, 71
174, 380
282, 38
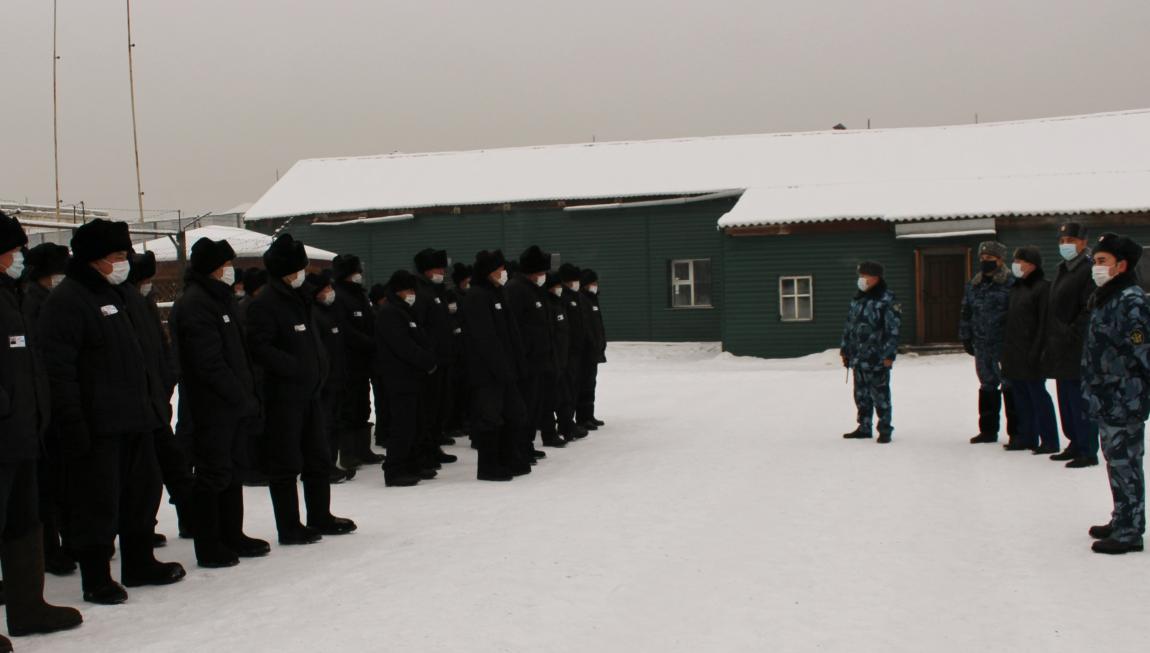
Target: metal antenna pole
135, 134
55, 114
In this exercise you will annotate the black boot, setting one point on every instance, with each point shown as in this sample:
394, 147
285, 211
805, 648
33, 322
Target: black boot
317, 496
210, 550
1114, 547
363, 440
1083, 461
232, 525
28, 613
1067, 454
554, 441
1101, 532
285, 506
989, 416
490, 468
56, 560
96, 579
349, 457
444, 458
138, 564
858, 434
184, 520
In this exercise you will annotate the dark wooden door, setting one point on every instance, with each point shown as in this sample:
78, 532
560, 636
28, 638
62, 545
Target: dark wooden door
943, 280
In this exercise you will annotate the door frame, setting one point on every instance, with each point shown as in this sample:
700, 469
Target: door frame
919, 269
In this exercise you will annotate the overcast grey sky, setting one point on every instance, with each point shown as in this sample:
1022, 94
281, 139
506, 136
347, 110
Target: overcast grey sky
230, 90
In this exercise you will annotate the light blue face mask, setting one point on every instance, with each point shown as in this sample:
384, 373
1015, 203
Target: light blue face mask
1068, 251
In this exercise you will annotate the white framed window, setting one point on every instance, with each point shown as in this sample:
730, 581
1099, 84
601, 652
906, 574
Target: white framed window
691, 283
796, 299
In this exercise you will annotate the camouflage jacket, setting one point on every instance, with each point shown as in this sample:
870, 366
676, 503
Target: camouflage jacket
871, 332
984, 308
1116, 356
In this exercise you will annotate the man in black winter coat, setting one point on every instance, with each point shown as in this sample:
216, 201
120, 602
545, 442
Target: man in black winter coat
431, 314
353, 314
46, 264
457, 422
106, 406
160, 356
404, 360
1066, 325
494, 368
553, 376
218, 399
527, 301
321, 292
283, 341
1022, 355
596, 354
580, 347
24, 417
254, 281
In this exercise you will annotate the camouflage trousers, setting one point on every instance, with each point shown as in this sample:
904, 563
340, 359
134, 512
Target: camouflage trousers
988, 367
1123, 447
872, 395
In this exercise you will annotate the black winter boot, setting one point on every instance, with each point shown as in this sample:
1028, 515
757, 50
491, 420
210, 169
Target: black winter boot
1101, 532
285, 506
989, 416
232, 525
1114, 547
362, 438
210, 550
28, 613
490, 467
139, 567
96, 579
317, 496
1083, 461
858, 434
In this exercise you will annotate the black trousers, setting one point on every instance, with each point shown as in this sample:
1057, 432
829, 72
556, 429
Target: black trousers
459, 393
113, 488
431, 418
572, 381
295, 442
355, 401
175, 466
382, 416
588, 380
531, 391
215, 450
403, 432
552, 385
19, 502
498, 412
333, 405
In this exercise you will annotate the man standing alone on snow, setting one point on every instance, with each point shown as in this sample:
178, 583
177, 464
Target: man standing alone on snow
1066, 321
1116, 382
983, 329
869, 346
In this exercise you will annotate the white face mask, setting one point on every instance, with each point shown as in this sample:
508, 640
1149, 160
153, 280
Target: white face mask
409, 299
145, 289
465, 285
452, 308
557, 291
437, 278
356, 278
1016, 270
119, 273
540, 280
229, 276
241, 294
17, 267
575, 286
593, 289
297, 280
1068, 251
863, 285
57, 279
1101, 274
502, 278
328, 298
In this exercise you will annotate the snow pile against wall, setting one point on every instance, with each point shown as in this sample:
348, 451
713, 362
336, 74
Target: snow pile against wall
811, 175
247, 244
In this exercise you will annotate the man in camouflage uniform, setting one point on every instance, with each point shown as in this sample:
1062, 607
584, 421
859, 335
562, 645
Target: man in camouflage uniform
869, 346
1116, 384
983, 330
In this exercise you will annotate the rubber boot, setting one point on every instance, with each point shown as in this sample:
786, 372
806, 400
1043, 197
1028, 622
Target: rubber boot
28, 614
138, 564
317, 496
210, 550
363, 440
96, 579
989, 411
285, 506
490, 467
232, 525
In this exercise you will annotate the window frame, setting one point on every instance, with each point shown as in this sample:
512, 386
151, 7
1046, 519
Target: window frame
796, 296
690, 282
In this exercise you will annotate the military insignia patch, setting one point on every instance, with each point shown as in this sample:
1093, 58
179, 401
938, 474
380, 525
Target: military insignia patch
1137, 337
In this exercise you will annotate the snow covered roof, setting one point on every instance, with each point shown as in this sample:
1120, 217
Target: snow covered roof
237, 209
1095, 162
247, 244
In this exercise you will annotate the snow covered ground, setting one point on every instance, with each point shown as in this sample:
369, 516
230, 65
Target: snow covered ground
719, 510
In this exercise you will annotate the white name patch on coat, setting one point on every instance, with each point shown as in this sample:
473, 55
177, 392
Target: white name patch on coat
561, 318
301, 327
357, 314
335, 329
227, 319
411, 324
458, 331
108, 310
17, 342
438, 301
498, 306
574, 304
595, 308
538, 304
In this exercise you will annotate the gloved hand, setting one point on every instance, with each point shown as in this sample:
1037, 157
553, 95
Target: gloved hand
968, 347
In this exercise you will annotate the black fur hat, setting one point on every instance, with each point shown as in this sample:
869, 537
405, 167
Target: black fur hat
487, 262
208, 255
345, 265
99, 238
402, 280
1120, 247
569, 273
317, 281
588, 277
377, 292
871, 268
285, 256
534, 260
552, 280
254, 279
459, 272
12, 235
430, 259
143, 266
45, 260
1030, 254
